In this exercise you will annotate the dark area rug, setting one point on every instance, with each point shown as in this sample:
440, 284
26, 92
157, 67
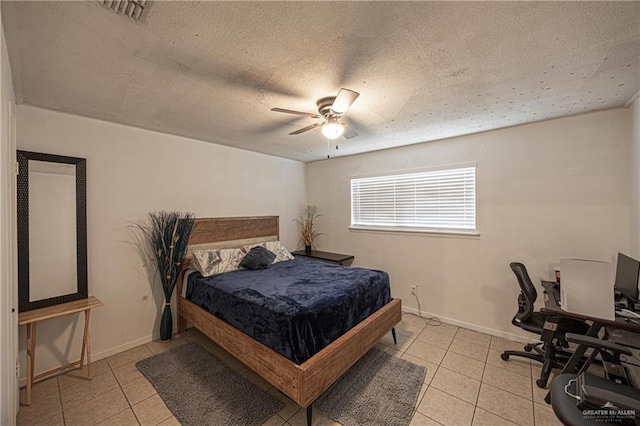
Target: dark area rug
379, 390
199, 389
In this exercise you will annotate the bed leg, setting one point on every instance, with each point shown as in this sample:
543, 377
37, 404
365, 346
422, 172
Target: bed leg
309, 414
393, 333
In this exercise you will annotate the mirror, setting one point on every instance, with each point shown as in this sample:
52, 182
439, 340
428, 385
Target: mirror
52, 234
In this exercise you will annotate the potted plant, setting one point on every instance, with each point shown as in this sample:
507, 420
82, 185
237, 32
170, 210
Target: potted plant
307, 225
167, 234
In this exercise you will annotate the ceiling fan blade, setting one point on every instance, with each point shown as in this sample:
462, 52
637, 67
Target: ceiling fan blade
288, 111
349, 132
304, 129
343, 101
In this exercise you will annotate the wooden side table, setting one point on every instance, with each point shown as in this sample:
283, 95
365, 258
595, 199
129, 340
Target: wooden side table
340, 259
31, 320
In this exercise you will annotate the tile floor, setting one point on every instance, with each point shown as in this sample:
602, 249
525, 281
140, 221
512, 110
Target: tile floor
466, 384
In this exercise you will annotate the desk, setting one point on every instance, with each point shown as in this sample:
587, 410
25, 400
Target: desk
31, 320
554, 312
340, 259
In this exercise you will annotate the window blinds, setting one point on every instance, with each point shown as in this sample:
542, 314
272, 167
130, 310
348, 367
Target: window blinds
438, 200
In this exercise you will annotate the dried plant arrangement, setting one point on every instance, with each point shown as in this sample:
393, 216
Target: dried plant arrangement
307, 225
167, 234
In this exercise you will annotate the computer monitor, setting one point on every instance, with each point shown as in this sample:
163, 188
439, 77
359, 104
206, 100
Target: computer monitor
627, 273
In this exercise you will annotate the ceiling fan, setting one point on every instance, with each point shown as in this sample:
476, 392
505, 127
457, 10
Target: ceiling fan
330, 109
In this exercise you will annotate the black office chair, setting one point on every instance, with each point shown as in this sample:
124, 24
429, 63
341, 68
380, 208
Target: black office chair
552, 354
572, 394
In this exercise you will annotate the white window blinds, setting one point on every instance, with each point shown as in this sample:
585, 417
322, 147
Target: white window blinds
442, 200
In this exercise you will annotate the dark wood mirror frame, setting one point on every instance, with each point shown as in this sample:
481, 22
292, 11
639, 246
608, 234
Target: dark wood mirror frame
23, 157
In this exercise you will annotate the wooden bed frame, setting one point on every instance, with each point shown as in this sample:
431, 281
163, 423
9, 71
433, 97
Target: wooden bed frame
302, 383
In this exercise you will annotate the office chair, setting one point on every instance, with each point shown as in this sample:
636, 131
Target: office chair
571, 394
551, 355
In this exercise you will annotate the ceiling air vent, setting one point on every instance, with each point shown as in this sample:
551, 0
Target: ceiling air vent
134, 9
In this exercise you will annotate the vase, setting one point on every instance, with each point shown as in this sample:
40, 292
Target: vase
166, 324
307, 249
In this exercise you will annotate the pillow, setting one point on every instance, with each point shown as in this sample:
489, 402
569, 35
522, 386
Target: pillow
280, 251
258, 258
229, 260
205, 260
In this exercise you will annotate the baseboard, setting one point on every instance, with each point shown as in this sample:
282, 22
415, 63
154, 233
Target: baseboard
97, 356
474, 327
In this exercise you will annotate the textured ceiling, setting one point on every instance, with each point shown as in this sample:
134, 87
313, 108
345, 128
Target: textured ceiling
425, 70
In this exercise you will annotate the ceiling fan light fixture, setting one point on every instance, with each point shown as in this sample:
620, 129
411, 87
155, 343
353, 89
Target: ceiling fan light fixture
332, 129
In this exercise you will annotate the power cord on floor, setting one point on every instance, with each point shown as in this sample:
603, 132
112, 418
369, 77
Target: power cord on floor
432, 321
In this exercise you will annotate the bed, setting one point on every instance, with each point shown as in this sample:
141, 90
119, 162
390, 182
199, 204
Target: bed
302, 381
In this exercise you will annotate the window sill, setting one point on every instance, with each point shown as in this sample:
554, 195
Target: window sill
474, 235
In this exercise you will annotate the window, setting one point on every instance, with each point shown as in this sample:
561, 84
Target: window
431, 201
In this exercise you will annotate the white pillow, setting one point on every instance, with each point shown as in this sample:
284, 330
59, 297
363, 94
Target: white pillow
280, 251
213, 262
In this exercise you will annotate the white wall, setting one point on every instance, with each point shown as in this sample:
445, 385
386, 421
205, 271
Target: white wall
635, 179
130, 172
546, 190
8, 321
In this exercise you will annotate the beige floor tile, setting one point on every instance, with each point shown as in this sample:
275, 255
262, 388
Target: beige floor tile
515, 364
499, 344
194, 335
290, 407
412, 319
422, 420
484, 418
126, 357
389, 350
446, 409
431, 368
257, 380
319, 419
158, 347
506, 380
97, 409
427, 352
423, 391
442, 328
151, 411
409, 328
138, 390
57, 420
123, 418
471, 350
464, 365
474, 337
456, 384
171, 421
127, 373
506, 405
76, 376
539, 393
544, 416
235, 365
435, 339
274, 420
86, 390
403, 341
45, 403
214, 349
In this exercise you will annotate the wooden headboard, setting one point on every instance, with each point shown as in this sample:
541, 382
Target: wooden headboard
220, 229
228, 232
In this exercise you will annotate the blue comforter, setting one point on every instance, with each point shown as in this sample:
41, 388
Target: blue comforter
296, 307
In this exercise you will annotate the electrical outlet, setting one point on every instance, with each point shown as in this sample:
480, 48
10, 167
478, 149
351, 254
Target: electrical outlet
414, 289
